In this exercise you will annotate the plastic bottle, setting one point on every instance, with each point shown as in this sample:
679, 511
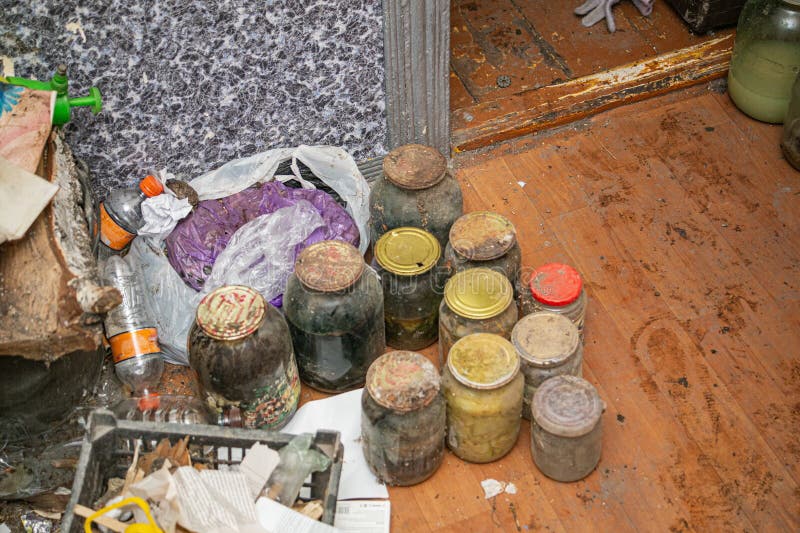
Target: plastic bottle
121, 215
175, 409
131, 331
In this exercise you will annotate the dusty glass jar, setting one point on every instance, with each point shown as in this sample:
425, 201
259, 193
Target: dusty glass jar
476, 300
548, 345
241, 349
334, 306
566, 430
406, 260
416, 191
557, 288
483, 389
766, 58
790, 140
403, 418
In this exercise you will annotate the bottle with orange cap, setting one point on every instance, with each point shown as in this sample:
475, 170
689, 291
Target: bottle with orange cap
121, 215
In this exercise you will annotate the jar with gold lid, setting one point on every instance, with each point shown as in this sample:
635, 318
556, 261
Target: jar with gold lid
334, 306
407, 261
403, 418
417, 191
241, 349
476, 300
483, 390
548, 345
557, 288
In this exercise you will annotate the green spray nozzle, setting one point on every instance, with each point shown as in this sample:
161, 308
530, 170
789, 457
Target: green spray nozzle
60, 84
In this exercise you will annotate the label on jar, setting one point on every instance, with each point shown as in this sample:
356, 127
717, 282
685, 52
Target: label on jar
275, 402
111, 233
134, 343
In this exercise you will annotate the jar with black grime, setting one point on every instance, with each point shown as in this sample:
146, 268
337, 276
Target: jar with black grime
558, 288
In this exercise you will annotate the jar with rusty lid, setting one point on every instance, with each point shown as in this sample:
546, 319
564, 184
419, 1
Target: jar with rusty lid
548, 345
334, 306
558, 288
407, 261
566, 428
484, 239
476, 300
483, 390
241, 349
416, 190
403, 418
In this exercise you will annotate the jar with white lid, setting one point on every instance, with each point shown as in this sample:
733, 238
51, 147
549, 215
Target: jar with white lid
558, 288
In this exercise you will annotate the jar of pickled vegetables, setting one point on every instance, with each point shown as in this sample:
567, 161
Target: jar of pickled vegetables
406, 260
418, 191
566, 430
476, 300
241, 349
548, 345
334, 305
484, 239
483, 390
557, 288
403, 418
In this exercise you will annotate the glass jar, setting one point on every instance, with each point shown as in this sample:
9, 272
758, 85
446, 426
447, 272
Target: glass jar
476, 300
406, 261
416, 191
766, 58
483, 389
403, 419
334, 306
548, 345
566, 431
557, 288
241, 349
790, 141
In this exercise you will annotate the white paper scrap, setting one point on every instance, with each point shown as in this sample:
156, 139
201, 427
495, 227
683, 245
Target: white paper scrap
511, 488
257, 466
491, 488
278, 518
363, 516
4, 528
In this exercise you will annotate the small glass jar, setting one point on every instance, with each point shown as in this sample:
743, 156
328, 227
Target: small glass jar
484, 239
403, 419
548, 345
766, 58
790, 141
416, 191
241, 349
566, 430
557, 288
334, 305
406, 260
483, 389
477, 300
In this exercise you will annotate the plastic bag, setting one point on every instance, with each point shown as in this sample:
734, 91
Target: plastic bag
298, 460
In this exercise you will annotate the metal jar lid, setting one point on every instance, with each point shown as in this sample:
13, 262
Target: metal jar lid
482, 235
329, 266
478, 293
545, 339
483, 361
414, 166
556, 284
402, 381
231, 312
407, 251
567, 406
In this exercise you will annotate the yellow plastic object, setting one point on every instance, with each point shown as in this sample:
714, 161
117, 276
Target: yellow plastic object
152, 527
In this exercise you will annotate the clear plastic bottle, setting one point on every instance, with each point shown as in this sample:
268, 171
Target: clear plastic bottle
121, 215
131, 331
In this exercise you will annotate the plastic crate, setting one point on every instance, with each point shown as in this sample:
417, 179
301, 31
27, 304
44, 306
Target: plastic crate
109, 445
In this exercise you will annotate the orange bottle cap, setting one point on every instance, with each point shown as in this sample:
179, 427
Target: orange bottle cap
151, 186
149, 401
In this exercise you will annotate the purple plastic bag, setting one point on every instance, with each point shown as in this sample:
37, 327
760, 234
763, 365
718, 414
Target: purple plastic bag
197, 240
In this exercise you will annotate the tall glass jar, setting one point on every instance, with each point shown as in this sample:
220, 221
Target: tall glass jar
557, 288
334, 305
790, 141
416, 191
484, 239
241, 349
476, 300
406, 260
766, 58
403, 418
483, 389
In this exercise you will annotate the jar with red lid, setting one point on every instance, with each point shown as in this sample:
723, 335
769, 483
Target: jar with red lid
557, 288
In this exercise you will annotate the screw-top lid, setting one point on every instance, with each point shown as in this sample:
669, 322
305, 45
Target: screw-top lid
482, 235
483, 361
150, 186
407, 251
414, 166
545, 339
329, 266
402, 381
556, 284
567, 406
231, 312
478, 293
